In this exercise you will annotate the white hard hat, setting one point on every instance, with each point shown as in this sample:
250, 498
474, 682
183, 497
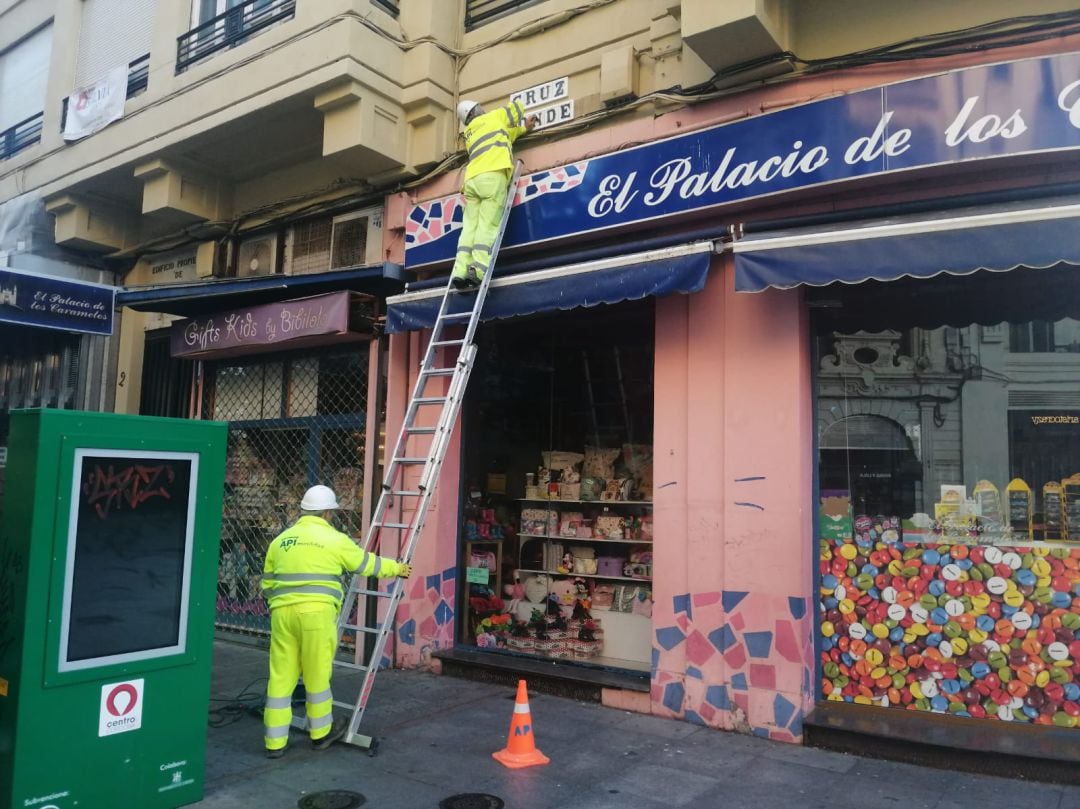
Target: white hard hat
464, 108
319, 498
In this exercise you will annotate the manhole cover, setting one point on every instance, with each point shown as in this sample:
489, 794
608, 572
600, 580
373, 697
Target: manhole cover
334, 799
471, 800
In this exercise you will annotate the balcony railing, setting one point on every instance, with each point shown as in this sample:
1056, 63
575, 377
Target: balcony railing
391, 6
478, 12
231, 28
137, 81
16, 138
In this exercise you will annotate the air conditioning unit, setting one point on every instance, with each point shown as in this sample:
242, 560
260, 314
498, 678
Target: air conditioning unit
356, 239
257, 256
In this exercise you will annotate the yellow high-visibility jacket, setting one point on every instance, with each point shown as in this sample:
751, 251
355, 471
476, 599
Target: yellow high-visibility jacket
306, 563
489, 137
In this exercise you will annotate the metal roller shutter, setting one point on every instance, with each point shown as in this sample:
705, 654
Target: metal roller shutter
24, 73
112, 33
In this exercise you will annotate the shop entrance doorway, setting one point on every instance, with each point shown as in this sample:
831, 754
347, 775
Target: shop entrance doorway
556, 529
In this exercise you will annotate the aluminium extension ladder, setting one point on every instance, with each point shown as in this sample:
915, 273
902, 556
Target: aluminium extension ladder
393, 485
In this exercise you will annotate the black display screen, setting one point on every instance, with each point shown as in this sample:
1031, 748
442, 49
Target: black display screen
130, 537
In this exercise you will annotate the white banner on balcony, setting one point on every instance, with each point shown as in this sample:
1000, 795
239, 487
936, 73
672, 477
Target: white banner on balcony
93, 108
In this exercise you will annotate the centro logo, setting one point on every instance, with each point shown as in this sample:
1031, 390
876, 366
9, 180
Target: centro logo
122, 699
121, 707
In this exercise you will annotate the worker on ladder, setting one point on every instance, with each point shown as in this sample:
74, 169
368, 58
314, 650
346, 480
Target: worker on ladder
302, 583
489, 138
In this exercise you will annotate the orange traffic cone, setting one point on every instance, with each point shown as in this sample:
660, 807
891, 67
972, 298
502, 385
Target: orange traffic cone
520, 750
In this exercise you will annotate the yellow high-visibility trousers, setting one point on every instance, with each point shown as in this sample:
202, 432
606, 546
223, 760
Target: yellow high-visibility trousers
485, 196
302, 642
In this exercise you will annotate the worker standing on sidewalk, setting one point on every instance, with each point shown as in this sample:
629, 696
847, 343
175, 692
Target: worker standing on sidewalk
489, 138
302, 583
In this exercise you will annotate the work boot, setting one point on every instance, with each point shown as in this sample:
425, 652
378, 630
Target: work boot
337, 732
470, 280
278, 753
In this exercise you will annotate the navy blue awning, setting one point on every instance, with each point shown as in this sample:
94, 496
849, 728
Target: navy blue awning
625, 278
955, 242
206, 296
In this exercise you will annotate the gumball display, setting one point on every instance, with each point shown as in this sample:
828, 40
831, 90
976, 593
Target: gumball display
983, 632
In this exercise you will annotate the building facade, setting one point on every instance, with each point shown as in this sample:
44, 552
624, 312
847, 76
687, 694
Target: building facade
746, 454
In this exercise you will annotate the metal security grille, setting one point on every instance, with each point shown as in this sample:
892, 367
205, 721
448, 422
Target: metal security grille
293, 422
310, 247
350, 242
41, 370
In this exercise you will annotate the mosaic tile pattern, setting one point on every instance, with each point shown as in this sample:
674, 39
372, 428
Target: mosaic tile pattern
425, 618
430, 221
734, 660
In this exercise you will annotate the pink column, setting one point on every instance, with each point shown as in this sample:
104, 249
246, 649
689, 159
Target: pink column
732, 628
425, 617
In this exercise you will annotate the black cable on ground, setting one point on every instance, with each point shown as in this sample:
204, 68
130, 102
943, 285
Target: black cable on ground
249, 700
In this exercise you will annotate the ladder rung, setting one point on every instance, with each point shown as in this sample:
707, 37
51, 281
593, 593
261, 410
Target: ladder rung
457, 316
438, 371
406, 493
375, 593
420, 430
401, 525
371, 630
429, 399
409, 461
448, 342
350, 665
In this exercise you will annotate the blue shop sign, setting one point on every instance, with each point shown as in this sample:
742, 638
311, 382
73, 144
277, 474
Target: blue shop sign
978, 113
53, 303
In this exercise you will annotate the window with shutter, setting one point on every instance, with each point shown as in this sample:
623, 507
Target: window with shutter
112, 33
24, 73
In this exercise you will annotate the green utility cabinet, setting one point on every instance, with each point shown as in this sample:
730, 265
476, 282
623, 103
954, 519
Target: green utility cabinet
108, 569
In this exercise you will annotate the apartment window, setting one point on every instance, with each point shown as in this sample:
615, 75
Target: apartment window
220, 24
24, 73
205, 10
112, 33
1043, 336
478, 12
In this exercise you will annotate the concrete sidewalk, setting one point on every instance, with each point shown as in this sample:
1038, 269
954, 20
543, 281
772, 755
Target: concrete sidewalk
437, 734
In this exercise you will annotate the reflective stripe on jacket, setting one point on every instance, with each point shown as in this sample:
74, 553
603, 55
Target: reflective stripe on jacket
306, 563
489, 138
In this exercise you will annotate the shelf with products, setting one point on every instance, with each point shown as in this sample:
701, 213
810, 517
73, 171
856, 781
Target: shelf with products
555, 500
588, 539
587, 575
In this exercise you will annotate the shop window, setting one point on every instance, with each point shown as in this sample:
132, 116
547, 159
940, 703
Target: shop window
949, 491
248, 392
557, 520
293, 422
